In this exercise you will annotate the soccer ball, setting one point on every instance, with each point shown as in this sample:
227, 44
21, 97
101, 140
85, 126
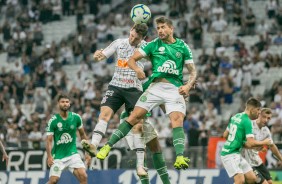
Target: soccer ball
140, 13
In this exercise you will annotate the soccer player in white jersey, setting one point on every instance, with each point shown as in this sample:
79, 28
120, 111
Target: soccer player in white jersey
62, 128
125, 89
261, 132
168, 56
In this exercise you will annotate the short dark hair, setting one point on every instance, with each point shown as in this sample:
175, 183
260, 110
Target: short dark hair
164, 20
141, 29
253, 102
62, 96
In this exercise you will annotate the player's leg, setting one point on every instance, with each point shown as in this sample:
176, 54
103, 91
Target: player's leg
81, 175
232, 165
158, 160
111, 102
250, 176
145, 103
262, 173
56, 171
137, 114
77, 167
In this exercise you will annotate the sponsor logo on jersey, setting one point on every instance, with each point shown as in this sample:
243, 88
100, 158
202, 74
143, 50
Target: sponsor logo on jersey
71, 127
65, 139
168, 66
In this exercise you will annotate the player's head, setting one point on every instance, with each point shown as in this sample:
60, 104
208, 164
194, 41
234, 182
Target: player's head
63, 102
164, 28
264, 116
253, 107
137, 33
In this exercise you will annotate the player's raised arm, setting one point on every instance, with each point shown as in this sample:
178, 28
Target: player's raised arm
102, 54
132, 64
98, 55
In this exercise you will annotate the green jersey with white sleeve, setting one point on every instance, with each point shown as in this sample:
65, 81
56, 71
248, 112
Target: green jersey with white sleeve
167, 59
64, 133
240, 128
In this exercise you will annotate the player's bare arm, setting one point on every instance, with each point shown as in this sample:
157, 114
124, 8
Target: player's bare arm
276, 152
98, 55
184, 90
49, 142
225, 134
132, 64
5, 156
251, 142
83, 136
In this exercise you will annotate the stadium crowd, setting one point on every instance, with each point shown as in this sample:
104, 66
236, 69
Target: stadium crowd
237, 51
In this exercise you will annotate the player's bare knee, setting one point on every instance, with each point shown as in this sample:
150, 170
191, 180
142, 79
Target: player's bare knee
105, 117
134, 118
269, 181
138, 128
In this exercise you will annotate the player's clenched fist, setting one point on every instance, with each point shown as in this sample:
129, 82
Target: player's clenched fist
140, 74
184, 90
98, 55
50, 161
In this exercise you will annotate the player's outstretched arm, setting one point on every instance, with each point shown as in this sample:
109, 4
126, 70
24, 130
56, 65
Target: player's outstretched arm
132, 64
49, 142
251, 142
99, 56
276, 152
5, 156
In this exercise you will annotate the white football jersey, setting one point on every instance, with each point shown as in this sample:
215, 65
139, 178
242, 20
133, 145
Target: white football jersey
123, 77
252, 155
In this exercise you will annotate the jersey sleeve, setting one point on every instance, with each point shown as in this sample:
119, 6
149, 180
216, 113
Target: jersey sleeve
248, 128
111, 49
146, 48
188, 57
50, 126
79, 121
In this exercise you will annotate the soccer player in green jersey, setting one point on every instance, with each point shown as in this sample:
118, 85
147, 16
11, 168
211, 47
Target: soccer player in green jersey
62, 129
168, 56
241, 135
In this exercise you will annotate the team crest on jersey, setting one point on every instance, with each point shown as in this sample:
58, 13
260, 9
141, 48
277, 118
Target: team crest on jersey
60, 125
56, 168
143, 98
71, 127
178, 54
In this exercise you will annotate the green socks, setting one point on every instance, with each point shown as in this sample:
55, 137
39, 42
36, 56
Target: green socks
178, 140
160, 166
121, 132
144, 179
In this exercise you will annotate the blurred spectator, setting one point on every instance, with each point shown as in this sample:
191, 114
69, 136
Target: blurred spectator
271, 8
35, 137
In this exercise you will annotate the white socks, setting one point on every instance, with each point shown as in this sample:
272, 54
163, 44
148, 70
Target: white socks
99, 132
139, 145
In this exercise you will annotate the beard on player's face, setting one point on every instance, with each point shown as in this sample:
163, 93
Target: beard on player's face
64, 108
